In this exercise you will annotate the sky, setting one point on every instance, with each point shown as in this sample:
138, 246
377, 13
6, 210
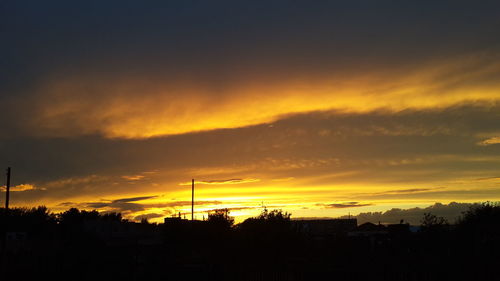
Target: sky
319, 108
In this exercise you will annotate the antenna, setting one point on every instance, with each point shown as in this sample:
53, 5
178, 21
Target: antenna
7, 189
192, 199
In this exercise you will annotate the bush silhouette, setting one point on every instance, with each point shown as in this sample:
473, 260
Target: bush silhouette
432, 222
220, 218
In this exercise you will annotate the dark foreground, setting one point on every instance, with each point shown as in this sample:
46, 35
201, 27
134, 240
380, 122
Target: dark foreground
89, 246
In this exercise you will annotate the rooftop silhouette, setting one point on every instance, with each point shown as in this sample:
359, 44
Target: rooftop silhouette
87, 245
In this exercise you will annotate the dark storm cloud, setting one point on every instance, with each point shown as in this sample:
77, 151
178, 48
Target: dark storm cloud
189, 36
124, 205
441, 142
96, 205
451, 212
133, 199
344, 205
215, 45
64, 86
148, 216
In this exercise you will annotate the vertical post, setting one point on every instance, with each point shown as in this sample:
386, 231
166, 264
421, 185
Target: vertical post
192, 199
7, 189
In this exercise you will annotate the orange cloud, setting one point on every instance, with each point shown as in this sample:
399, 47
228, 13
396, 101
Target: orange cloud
21, 187
344, 205
221, 182
133, 178
131, 107
490, 141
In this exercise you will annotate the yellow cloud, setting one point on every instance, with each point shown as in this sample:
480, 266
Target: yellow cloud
22, 187
490, 141
133, 177
283, 179
130, 107
221, 182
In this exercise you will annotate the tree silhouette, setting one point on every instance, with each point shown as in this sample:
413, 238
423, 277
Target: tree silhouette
36, 221
481, 224
270, 229
432, 222
112, 216
275, 216
220, 218
74, 216
483, 218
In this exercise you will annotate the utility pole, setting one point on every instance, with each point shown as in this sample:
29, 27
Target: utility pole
192, 199
7, 189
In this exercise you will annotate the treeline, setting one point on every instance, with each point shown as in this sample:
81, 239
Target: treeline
87, 245
35, 219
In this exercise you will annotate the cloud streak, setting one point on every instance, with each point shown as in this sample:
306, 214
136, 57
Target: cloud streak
356, 101
130, 207
344, 205
368, 156
161, 82
490, 141
21, 188
133, 199
222, 182
134, 177
451, 212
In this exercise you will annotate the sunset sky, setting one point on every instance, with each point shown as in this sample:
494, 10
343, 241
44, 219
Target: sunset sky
319, 108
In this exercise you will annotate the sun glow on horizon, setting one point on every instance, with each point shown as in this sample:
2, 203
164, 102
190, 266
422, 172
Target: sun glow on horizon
250, 198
